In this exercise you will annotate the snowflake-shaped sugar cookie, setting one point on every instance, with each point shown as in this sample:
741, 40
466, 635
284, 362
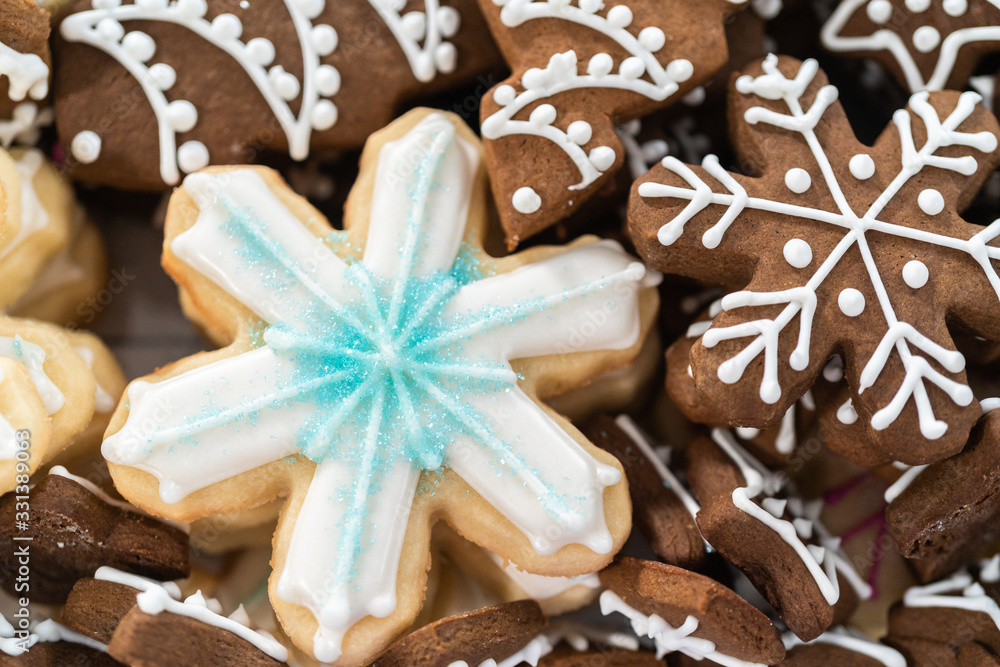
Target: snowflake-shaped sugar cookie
927, 44
836, 247
579, 66
382, 379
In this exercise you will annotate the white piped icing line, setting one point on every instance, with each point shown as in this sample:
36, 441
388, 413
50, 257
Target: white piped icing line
961, 591
824, 561
640, 73
910, 473
44, 631
156, 597
915, 350
250, 245
423, 35
852, 640
27, 74
666, 637
925, 39
540, 587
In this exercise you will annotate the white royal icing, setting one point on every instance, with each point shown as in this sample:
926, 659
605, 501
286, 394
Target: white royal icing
27, 74
668, 639
156, 597
825, 561
925, 38
900, 337
563, 299
579, 637
32, 357
34, 217
539, 587
639, 73
960, 591
851, 640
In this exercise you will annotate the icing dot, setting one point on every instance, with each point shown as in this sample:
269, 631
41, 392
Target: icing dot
915, 274
192, 156
526, 201
448, 21
926, 38
285, 84
311, 8
414, 25
956, 7
619, 16
86, 147
534, 79
324, 39
504, 95
930, 201
446, 57
879, 11
798, 180
579, 132
846, 413
323, 116
602, 158
181, 115
164, 75
798, 253
327, 80
862, 166
680, 70
260, 51
918, 6
192, 8
110, 30
543, 115
851, 302
600, 65
652, 39
590, 6
139, 45
632, 68
227, 26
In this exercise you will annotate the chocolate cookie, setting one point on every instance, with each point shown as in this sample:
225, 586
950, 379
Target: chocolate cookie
663, 509
494, 632
145, 92
75, 532
550, 137
751, 517
840, 646
944, 514
24, 71
690, 606
831, 247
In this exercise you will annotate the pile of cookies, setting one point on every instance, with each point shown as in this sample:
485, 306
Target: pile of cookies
557, 333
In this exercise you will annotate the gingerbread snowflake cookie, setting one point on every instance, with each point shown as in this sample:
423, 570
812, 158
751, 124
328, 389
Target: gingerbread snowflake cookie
926, 44
24, 71
147, 91
835, 247
579, 66
380, 379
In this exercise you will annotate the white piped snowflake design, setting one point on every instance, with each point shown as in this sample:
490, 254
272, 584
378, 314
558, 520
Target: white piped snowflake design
853, 229
379, 369
926, 46
421, 35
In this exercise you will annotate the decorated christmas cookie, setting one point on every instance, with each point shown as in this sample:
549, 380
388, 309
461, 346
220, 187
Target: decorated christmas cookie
689, 614
141, 621
835, 247
24, 71
663, 509
944, 514
578, 66
949, 617
840, 646
381, 379
772, 536
926, 44
76, 528
149, 91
